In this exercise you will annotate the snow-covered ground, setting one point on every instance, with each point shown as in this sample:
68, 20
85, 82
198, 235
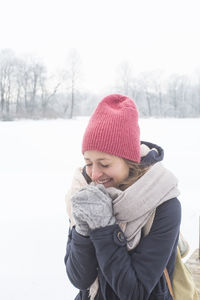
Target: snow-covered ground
37, 160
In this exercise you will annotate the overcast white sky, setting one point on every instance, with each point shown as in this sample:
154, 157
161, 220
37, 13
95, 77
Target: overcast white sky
151, 34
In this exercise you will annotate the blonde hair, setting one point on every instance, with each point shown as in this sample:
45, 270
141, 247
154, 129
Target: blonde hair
136, 170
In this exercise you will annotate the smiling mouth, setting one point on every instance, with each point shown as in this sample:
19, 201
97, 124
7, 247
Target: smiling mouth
104, 181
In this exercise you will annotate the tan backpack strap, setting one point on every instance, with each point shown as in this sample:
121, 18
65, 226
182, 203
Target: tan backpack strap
169, 283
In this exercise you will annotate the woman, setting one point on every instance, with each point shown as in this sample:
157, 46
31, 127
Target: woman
124, 212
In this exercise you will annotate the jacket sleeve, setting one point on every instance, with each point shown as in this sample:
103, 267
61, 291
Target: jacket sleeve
134, 276
80, 260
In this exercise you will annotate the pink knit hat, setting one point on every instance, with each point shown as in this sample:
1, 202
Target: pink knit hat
113, 128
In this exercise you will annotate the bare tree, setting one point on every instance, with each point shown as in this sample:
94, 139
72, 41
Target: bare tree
146, 88
197, 90
72, 75
47, 96
7, 68
29, 74
22, 83
157, 83
125, 80
37, 73
177, 90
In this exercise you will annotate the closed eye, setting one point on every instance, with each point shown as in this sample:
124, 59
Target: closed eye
103, 166
88, 165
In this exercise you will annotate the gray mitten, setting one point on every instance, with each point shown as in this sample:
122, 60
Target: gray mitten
93, 206
81, 226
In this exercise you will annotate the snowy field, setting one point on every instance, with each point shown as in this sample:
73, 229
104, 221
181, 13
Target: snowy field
37, 160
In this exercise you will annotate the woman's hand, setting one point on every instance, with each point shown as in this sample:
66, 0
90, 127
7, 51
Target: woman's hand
92, 208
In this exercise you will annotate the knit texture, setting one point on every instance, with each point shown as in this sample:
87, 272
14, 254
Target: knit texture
113, 128
92, 206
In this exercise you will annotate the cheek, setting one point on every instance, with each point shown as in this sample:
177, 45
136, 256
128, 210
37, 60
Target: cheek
124, 173
121, 174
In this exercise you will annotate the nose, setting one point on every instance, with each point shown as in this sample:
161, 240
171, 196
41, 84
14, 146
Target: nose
96, 173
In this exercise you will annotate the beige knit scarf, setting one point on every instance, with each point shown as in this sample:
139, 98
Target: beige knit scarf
134, 207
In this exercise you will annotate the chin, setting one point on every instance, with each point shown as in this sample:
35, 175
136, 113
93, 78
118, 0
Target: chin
110, 184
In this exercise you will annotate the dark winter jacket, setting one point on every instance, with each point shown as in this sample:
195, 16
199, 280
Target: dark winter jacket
123, 274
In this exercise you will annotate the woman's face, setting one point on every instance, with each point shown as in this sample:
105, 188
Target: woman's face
105, 169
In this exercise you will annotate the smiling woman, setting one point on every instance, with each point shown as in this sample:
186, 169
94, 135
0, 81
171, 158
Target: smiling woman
120, 189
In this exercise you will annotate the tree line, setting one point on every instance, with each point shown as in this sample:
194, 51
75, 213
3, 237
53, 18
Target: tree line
28, 91
161, 95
